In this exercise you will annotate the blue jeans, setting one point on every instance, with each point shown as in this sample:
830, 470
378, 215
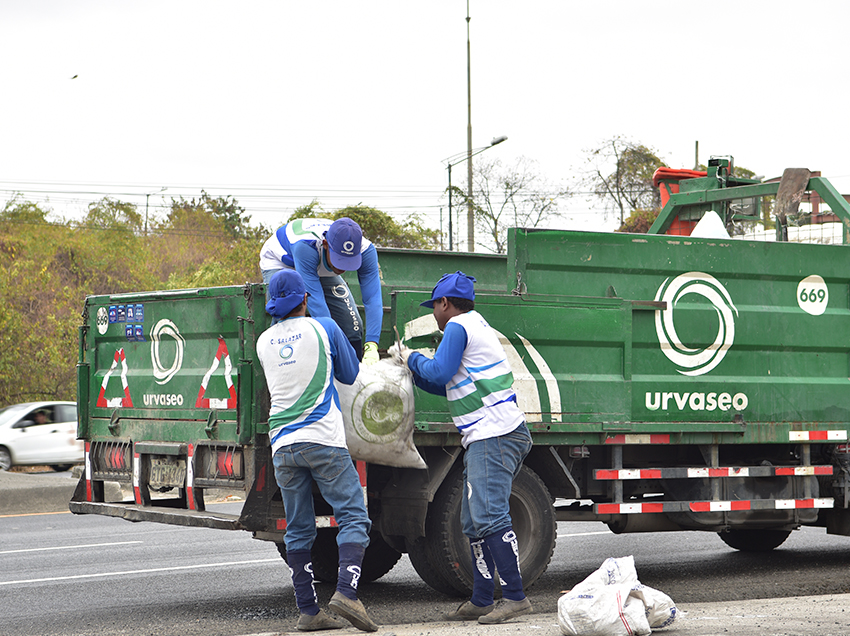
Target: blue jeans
341, 306
489, 469
296, 467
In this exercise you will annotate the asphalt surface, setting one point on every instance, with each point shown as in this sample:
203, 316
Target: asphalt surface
827, 615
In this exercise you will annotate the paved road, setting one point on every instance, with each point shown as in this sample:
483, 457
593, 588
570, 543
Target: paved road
67, 575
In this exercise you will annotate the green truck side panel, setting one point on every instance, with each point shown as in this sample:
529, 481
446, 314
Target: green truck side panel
588, 313
421, 269
185, 357
588, 355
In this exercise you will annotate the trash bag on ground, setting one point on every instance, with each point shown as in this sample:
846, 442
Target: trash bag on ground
612, 602
378, 412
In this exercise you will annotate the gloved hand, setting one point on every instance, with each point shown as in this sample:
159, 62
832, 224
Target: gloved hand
400, 353
370, 353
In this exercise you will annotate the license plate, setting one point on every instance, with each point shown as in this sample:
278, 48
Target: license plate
167, 471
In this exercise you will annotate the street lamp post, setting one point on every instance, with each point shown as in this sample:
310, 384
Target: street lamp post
450, 163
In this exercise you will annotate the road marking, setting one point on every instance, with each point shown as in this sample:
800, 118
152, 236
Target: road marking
68, 547
35, 514
582, 534
128, 572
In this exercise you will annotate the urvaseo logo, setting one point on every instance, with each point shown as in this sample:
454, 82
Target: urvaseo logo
285, 352
690, 361
163, 399
160, 330
696, 401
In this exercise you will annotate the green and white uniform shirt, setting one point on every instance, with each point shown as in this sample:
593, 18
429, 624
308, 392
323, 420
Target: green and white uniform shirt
300, 357
471, 369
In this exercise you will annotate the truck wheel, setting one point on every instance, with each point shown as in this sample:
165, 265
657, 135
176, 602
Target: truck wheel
379, 559
442, 558
754, 540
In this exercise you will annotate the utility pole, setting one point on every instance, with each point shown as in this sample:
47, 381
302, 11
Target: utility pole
470, 211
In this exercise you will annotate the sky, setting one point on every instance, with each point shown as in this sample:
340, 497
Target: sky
280, 103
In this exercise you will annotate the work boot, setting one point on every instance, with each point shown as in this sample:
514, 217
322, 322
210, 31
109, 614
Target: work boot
506, 610
352, 611
310, 623
468, 611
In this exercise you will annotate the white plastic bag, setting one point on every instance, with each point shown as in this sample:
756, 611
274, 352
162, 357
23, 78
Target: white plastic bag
660, 609
612, 602
378, 412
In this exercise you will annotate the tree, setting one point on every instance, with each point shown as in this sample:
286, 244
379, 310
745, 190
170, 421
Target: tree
379, 227
18, 211
620, 173
639, 221
111, 214
513, 196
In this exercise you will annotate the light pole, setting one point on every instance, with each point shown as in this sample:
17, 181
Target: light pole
449, 163
470, 213
147, 198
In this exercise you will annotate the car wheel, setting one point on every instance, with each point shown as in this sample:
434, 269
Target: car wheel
5, 459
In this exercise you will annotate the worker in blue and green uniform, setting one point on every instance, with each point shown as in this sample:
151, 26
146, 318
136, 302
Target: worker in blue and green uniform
320, 250
470, 368
301, 357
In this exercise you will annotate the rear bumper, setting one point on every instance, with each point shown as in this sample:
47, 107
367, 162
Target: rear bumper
177, 517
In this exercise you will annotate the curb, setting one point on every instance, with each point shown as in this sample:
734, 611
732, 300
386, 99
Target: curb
24, 493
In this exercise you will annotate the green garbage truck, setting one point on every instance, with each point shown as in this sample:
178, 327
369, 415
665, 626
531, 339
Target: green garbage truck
671, 382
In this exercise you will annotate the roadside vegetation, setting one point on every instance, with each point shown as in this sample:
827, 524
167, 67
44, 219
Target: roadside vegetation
49, 265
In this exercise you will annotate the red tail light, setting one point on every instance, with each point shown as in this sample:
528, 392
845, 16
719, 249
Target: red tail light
224, 463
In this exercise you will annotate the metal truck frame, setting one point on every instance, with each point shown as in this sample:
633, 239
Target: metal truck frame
670, 383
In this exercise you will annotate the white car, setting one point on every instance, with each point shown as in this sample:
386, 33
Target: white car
40, 434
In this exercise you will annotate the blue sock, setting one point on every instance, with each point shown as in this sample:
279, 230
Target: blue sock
482, 573
350, 559
301, 566
505, 550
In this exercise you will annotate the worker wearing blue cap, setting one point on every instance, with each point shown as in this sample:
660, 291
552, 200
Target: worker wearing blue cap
320, 250
471, 369
301, 357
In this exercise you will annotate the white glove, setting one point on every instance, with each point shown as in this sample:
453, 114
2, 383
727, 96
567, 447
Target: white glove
370, 353
400, 353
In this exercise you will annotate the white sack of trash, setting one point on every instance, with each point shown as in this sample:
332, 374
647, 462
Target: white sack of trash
612, 602
378, 412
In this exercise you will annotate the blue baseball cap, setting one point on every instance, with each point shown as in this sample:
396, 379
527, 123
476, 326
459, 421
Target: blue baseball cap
457, 285
345, 239
286, 292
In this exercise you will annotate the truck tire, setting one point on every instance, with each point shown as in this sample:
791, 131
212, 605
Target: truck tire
442, 557
762, 540
379, 559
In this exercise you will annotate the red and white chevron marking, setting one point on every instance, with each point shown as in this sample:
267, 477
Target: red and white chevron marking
119, 401
708, 473
711, 506
816, 436
215, 403
639, 438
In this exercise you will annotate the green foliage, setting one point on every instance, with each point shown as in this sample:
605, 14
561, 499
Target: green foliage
639, 221
225, 210
48, 268
38, 313
379, 227
111, 214
22, 212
